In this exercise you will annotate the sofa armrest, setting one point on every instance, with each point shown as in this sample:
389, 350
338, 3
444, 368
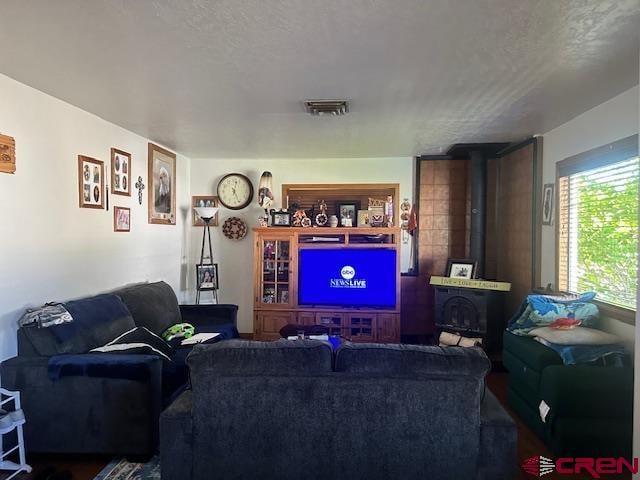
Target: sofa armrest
176, 439
212, 318
92, 414
498, 441
584, 391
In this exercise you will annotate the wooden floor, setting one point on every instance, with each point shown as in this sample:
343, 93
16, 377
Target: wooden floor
87, 467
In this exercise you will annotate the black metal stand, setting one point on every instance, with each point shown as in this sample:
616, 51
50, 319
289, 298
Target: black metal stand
206, 234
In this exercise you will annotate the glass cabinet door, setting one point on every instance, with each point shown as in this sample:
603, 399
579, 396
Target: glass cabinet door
275, 272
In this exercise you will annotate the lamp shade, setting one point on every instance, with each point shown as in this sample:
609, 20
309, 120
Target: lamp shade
206, 212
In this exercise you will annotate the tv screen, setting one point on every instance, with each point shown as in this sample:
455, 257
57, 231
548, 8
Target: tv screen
347, 277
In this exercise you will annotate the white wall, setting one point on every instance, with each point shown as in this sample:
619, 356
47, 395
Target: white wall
50, 249
235, 258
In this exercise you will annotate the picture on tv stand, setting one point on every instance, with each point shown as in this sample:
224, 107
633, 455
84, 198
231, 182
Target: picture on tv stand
345, 277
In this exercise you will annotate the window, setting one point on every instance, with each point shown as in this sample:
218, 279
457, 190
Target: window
598, 223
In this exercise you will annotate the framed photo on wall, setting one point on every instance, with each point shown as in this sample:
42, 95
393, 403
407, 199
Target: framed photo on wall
162, 185
206, 277
90, 182
120, 172
461, 268
203, 201
547, 204
121, 219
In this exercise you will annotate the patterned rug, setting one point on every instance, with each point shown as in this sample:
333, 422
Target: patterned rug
122, 470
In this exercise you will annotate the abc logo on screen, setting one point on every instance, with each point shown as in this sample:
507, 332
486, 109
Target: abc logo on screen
348, 272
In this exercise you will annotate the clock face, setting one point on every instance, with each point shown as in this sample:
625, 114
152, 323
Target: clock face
235, 191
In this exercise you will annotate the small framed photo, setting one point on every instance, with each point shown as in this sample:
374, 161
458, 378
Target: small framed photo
461, 268
547, 204
280, 219
203, 201
120, 172
363, 218
206, 276
90, 182
348, 213
121, 219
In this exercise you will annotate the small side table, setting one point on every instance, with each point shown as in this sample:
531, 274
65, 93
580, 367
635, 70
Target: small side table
13, 420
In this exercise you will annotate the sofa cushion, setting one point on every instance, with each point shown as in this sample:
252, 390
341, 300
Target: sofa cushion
531, 353
280, 358
96, 321
411, 360
575, 336
152, 305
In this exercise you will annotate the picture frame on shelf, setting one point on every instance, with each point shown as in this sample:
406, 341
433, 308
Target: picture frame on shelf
90, 182
363, 219
206, 277
461, 268
120, 172
203, 201
162, 188
348, 213
121, 219
281, 218
547, 203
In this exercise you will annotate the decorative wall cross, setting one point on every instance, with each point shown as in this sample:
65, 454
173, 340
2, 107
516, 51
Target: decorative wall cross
140, 186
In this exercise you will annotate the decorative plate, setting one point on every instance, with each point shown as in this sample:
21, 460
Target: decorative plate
234, 228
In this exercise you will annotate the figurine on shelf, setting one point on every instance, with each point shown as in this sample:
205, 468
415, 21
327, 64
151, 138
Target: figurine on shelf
300, 218
388, 210
321, 218
265, 194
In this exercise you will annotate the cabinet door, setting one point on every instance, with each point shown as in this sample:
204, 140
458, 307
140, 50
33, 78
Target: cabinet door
361, 327
306, 318
388, 328
268, 324
335, 322
274, 275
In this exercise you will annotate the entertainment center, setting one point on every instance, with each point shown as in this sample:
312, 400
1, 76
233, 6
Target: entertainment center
345, 278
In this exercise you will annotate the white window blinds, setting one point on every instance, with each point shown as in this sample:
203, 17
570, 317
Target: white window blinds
598, 226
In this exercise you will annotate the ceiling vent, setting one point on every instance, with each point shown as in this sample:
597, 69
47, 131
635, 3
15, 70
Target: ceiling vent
326, 107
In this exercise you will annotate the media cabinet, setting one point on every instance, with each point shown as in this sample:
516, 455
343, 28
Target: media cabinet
276, 283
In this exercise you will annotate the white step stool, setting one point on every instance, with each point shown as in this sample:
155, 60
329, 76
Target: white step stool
13, 420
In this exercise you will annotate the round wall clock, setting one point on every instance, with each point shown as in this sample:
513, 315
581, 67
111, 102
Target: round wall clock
235, 191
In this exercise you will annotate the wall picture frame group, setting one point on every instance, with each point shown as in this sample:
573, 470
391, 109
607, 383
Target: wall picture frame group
162, 185
206, 277
120, 172
121, 219
90, 182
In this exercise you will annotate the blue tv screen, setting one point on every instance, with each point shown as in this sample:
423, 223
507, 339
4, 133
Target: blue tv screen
347, 277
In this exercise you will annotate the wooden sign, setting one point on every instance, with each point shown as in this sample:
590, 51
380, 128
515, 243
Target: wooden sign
464, 283
7, 154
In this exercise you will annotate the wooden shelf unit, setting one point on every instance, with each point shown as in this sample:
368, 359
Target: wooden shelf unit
276, 284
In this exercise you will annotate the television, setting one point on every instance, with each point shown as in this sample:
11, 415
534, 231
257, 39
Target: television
356, 277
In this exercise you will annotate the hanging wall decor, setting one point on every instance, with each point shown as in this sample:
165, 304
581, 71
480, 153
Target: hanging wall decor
234, 228
7, 154
203, 201
120, 172
121, 219
140, 186
90, 182
162, 188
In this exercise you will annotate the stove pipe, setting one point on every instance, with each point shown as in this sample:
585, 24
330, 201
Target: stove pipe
478, 209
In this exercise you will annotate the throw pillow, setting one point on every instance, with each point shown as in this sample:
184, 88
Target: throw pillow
575, 336
141, 341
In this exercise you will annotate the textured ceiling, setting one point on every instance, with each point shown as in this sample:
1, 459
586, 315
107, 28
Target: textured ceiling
227, 78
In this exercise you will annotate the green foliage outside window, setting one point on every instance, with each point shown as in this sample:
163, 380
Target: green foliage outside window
608, 241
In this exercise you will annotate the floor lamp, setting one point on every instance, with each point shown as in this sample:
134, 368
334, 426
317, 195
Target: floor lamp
206, 214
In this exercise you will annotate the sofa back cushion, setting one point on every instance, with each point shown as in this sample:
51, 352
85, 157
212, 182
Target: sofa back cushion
96, 321
279, 358
152, 305
417, 361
